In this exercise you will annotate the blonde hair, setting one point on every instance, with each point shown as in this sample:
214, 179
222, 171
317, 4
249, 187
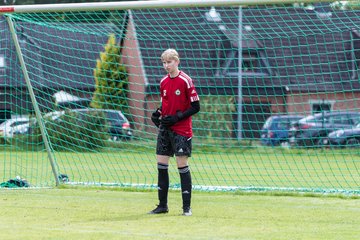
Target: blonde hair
170, 54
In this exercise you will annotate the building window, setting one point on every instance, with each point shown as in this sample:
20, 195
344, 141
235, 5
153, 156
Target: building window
252, 64
318, 106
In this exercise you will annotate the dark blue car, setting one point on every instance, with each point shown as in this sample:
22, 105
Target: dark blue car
276, 129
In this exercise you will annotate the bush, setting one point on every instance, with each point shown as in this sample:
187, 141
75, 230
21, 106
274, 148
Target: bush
75, 131
216, 118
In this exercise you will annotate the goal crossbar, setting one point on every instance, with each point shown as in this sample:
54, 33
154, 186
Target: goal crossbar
67, 7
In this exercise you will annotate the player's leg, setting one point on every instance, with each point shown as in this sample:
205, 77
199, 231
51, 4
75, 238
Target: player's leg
163, 180
183, 152
163, 151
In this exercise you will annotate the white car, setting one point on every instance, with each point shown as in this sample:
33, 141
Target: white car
12, 125
119, 125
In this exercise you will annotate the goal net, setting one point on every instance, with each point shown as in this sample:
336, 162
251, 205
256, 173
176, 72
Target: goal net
78, 84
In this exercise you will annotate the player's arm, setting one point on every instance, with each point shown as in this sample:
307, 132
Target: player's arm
194, 108
172, 119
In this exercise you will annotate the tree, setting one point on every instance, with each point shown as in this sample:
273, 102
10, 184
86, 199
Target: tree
111, 80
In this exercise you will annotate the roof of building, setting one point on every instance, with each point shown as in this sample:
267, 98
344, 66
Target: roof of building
55, 56
306, 50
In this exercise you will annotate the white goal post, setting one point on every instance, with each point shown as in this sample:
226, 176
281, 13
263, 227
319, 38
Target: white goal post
139, 5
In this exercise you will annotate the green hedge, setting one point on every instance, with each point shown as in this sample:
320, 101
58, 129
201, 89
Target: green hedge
216, 117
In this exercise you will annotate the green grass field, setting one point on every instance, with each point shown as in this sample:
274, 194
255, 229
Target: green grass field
78, 212
258, 168
104, 213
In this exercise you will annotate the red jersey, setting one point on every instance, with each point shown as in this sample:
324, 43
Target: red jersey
177, 94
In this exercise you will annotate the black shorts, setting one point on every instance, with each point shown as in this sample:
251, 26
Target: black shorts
170, 143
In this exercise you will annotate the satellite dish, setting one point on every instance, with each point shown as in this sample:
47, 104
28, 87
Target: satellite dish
9, 2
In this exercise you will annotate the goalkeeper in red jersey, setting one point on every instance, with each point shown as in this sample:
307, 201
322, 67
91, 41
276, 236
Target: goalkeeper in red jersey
179, 101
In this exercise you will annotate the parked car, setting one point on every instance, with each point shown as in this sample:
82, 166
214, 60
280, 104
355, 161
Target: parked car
345, 138
314, 129
14, 126
276, 129
25, 128
119, 126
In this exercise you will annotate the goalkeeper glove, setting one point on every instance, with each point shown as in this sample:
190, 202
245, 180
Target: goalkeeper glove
170, 120
155, 117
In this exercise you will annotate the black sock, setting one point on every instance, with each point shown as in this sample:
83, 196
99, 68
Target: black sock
186, 185
163, 184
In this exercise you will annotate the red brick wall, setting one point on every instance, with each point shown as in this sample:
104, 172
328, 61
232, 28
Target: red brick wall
131, 58
301, 103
